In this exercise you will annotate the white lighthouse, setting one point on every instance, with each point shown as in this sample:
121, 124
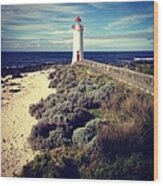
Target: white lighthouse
77, 40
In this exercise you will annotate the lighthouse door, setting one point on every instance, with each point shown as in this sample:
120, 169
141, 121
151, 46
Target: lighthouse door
78, 55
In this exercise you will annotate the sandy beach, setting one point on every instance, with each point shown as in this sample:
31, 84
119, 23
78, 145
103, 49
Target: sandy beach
17, 95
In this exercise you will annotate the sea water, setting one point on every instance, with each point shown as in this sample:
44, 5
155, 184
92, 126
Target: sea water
16, 59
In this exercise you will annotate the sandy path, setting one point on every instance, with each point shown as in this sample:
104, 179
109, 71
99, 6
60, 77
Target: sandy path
17, 122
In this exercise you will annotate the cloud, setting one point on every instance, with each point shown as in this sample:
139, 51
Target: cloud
36, 44
131, 40
60, 32
146, 34
104, 5
123, 44
32, 12
38, 21
128, 21
67, 41
98, 5
29, 27
48, 26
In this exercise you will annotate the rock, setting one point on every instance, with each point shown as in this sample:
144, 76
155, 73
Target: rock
16, 75
14, 90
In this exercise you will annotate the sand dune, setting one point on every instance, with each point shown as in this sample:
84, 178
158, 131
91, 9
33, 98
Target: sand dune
16, 120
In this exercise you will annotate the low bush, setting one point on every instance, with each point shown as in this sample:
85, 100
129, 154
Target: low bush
43, 166
105, 127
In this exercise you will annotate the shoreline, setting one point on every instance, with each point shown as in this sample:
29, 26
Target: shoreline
137, 64
17, 95
16, 71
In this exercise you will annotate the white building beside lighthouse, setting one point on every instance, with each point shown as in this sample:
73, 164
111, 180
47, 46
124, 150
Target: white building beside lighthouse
77, 41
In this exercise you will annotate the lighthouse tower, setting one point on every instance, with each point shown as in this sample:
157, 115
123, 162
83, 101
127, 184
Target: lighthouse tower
77, 40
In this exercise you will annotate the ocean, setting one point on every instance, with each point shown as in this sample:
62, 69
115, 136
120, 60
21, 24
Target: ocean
17, 59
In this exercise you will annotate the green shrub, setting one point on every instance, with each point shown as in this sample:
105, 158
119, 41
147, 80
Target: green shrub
43, 166
120, 147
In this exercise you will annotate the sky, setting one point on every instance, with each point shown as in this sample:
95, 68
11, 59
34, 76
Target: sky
116, 26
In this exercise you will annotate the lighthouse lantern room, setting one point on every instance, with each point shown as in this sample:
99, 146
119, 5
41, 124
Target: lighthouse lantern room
77, 40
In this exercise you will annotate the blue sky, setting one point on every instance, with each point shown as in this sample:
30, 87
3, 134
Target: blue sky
118, 26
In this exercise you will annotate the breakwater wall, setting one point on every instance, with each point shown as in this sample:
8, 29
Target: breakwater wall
140, 80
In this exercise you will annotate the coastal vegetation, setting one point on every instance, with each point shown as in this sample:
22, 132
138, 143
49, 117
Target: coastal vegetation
93, 127
143, 67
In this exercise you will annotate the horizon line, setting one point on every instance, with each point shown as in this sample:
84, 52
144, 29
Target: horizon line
88, 51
